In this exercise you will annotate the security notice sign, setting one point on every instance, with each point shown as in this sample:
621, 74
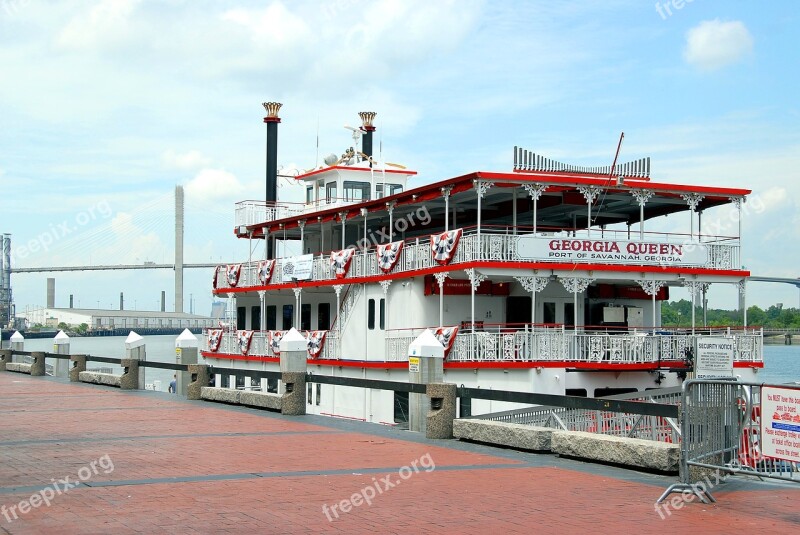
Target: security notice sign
780, 423
713, 358
413, 364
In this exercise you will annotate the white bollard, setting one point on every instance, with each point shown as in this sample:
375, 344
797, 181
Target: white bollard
17, 344
185, 353
134, 349
61, 347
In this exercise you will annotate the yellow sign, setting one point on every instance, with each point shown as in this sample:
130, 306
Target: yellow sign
413, 364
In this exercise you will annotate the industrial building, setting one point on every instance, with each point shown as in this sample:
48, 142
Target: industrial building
114, 319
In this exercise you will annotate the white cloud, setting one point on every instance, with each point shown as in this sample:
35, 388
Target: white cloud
212, 186
714, 44
192, 159
106, 22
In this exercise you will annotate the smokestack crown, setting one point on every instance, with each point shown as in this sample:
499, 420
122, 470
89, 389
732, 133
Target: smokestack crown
367, 118
272, 108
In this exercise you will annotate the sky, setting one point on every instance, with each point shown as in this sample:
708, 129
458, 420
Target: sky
106, 106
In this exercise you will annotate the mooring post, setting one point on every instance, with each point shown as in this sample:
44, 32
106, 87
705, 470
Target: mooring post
5, 358
199, 375
133, 375
61, 347
37, 364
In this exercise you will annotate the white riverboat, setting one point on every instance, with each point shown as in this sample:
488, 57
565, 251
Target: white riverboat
542, 279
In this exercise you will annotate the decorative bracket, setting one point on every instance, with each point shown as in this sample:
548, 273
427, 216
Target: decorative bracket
693, 200
385, 285
651, 287
575, 285
482, 187
533, 284
642, 195
535, 190
589, 193
475, 278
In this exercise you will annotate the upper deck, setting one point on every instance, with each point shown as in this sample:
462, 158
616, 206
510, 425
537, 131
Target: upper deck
520, 220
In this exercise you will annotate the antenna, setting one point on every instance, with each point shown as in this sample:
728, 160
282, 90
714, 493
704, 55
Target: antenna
357, 133
619, 146
316, 158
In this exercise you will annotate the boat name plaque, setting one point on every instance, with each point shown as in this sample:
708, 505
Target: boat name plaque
566, 249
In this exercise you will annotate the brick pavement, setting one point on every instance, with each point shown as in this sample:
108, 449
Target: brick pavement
194, 467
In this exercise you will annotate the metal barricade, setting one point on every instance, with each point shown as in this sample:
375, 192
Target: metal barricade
721, 434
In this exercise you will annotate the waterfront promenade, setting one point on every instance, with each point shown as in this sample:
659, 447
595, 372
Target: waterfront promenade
155, 463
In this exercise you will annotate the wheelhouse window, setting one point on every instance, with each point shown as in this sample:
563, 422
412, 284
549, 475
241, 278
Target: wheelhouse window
309, 194
356, 191
330, 192
390, 189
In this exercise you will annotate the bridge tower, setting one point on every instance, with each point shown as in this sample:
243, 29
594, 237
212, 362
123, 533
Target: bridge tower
178, 249
6, 302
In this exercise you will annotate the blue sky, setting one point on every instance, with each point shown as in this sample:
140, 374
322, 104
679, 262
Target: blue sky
107, 105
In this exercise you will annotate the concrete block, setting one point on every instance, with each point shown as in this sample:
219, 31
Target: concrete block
37, 366
5, 358
618, 450
220, 395
199, 379
517, 436
130, 377
77, 365
442, 411
261, 400
293, 402
98, 378
18, 367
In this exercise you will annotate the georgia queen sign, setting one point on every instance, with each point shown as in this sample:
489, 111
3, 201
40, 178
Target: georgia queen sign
566, 249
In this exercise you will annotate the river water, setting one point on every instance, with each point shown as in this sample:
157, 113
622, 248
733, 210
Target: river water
781, 363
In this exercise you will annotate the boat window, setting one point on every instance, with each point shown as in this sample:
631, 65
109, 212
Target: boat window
319, 392
310, 393
569, 314
383, 314
309, 194
356, 191
391, 189
324, 316
288, 317
371, 314
578, 392
305, 317
330, 192
241, 318
548, 312
255, 318
272, 312
603, 392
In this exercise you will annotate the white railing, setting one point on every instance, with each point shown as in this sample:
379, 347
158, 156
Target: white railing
255, 212
416, 255
557, 344
259, 345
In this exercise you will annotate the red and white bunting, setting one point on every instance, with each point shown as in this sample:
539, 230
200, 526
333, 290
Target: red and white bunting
214, 281
244, 338
275, 341
233, 271
388, 255
214, 339
446, 337
265, 269
316, 341
340, 262
444, 245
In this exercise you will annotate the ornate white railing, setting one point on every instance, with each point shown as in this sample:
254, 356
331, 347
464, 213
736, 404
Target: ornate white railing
416, 254
538, 345
259, 345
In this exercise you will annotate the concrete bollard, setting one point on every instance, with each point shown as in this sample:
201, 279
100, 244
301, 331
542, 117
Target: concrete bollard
442, 412
134, 350
37, 365
185, 353
425, 366
61, 347
294, 366
130, 374
200, 375
78, 365
5, 358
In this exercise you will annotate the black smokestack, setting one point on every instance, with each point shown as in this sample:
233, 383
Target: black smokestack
366, 125
121, 301
272, 121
